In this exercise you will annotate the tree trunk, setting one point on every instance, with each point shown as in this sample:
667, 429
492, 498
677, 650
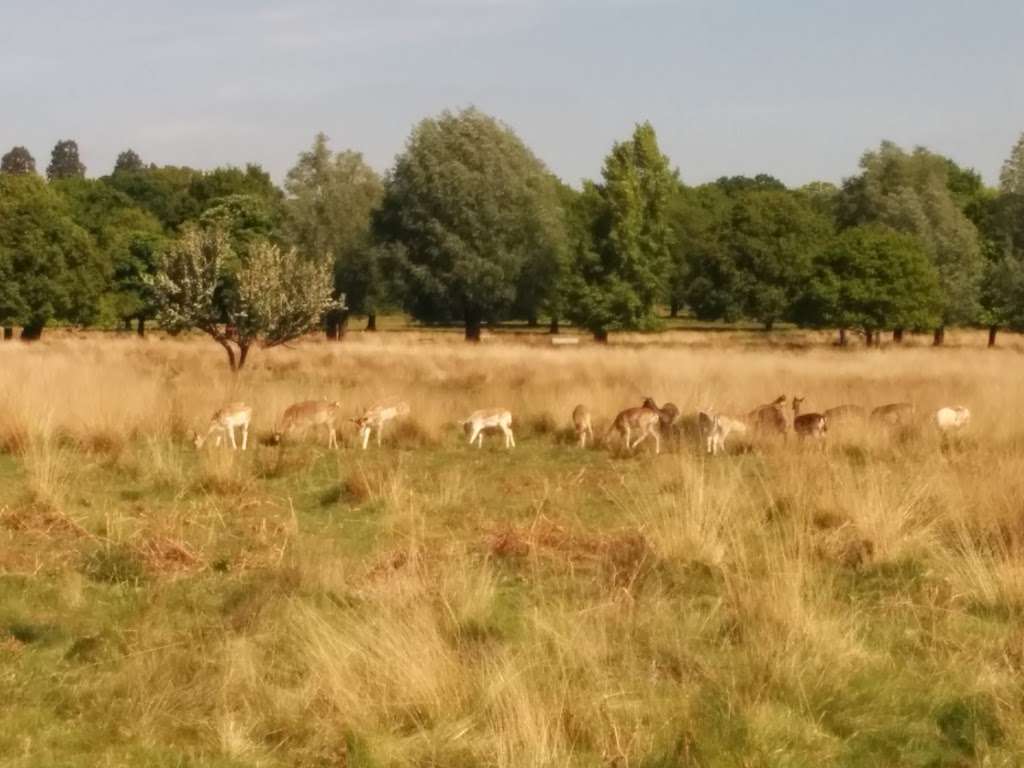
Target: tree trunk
553, 328
601, 336
769, 325
940, 336
472, 327
868, 338
127, 324
992, 331
673, 308
842, 337
243, 353
371, 321
32, 331
531, 321
8, 333
140, 327
897, 336
228, 350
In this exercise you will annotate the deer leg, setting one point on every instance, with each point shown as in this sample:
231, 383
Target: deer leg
380, 428
245, 436
365, 434
231, 438
657, 442
332, 437
216, 442
510, 441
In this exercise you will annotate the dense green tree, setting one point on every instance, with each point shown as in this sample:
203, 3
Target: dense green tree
1011, 176
620, 274
163, 191
1002, 296
18, 161
870, 277
55, 271
712, 278
755, 255
280, 295
64, 161
126, 238
128, 161
467, 207
210, 187
911, 193
331, 199
734, 184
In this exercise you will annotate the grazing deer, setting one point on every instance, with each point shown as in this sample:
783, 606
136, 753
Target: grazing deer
582, 425
813, 425
893, 414
769, 418
307, 414
224, 421
376, 417
844, 413
643, 421
952, 419
668, 413
494, 418
720, 428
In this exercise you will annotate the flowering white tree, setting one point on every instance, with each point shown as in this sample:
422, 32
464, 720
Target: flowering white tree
272, 297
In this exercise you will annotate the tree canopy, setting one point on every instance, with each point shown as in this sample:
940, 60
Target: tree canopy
620, 269
64, 161
871, 277
467, 207
18, 161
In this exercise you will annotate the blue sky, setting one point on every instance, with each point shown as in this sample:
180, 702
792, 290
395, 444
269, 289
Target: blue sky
797, 89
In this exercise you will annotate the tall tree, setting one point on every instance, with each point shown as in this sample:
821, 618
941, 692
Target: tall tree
870, 277
468, 206
620, 274
64, 161
331, 198
1011, 176
128, 161
53, 263
280, 295
18, 161
126, 238
910, 192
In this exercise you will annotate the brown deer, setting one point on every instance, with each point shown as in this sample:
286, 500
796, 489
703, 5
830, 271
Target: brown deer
642, 421
893, 414
308, 414
769, 418
813, 425
844, 413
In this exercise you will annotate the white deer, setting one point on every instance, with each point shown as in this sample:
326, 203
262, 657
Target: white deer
493, 418
376, 417
307, 414
953, 418
581, 422
224, 421
721, 427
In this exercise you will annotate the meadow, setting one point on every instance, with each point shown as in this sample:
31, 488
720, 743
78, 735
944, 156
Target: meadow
428, 604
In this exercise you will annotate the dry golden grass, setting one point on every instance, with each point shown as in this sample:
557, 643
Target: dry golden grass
431, 604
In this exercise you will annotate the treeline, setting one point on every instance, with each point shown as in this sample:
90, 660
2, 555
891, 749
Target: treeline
469, 227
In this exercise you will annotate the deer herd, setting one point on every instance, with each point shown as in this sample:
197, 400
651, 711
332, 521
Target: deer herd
632, 426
